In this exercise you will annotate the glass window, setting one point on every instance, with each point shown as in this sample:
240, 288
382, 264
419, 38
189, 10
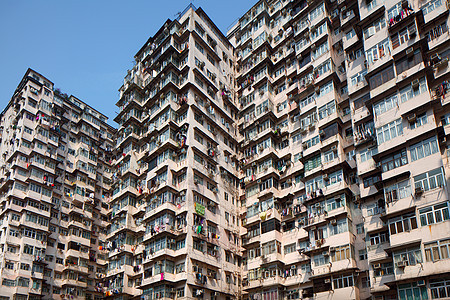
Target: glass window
434, 214
424, 149
430, 180
403, 223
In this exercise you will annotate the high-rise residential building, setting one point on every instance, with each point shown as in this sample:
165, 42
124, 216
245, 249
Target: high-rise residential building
174, 211
299, 175
343, 116
302, 156
55, 180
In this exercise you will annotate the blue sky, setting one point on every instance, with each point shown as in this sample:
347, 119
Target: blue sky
86, 47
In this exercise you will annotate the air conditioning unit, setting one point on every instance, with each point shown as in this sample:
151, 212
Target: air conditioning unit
410, 52
401, 264
301, 250
418, 191
412, 118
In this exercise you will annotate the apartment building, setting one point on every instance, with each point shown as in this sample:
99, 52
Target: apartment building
297, 155
55, 181
303, 155
174, 229
397, 74
343, 117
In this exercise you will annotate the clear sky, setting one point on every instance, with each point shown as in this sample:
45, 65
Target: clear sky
86, 47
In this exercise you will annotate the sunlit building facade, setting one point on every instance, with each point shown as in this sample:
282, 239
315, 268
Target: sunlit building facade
55, 182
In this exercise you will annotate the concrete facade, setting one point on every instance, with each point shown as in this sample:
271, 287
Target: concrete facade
302, 156
55, 182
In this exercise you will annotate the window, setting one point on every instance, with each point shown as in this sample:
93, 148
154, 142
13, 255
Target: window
429, 7
313, 163
437, 31
374, 27
8, 282
397, 191
340, 227
28, 249
360, 228
385, 105
378, 51
434, 214
362, 254
290, 248
394, 161
23, 282
335, 203
424, 148
421, 119
389, 131
350, 34
329, 156
341, 253
327, 109
379, 238
381, 77
411, 256
438, 250
9, 265
360, 77
403, 223
440, 288
430, 180
408, 62
320, 260
367, 154
403, 36
334, 178
410, 291
199, 48
342, 281
383, 269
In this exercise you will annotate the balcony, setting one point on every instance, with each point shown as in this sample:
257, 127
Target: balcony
377, 252
347, 43
265, 282
371, 9
347, 16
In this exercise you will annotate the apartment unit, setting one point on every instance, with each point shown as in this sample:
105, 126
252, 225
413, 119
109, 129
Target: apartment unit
55, 181
174, 229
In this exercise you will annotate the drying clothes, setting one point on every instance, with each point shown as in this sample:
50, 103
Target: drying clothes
263, 216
